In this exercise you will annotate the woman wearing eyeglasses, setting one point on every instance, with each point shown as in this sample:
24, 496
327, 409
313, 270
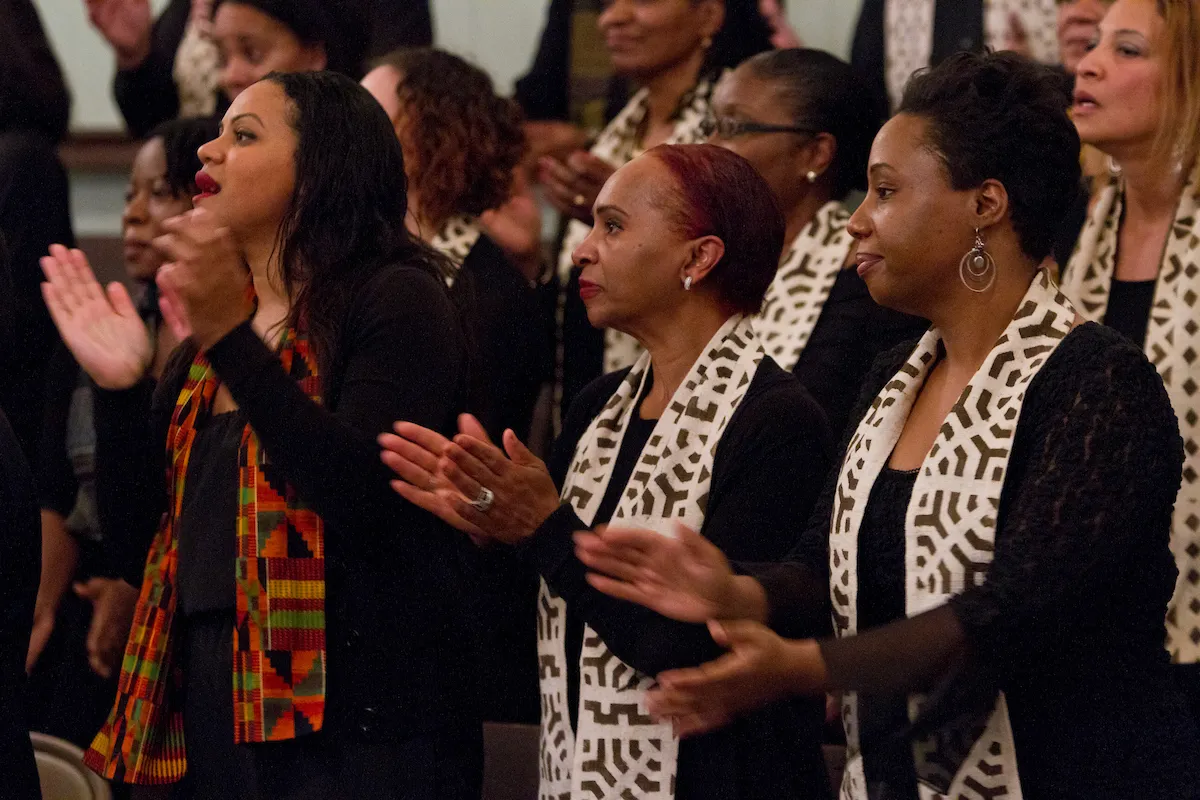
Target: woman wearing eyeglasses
796, 115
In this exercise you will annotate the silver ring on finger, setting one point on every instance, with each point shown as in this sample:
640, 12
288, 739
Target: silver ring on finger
484, 500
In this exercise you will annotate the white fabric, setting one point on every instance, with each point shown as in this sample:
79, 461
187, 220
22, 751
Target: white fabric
455, 241
1173, 346
196, 64
950, 526
618, 751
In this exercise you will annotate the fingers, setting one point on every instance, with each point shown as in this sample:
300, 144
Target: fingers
466, 483
409, 472
118, 296
430, 440
621, 563
409, 451
174, 314
480, 460
619, 589
470, 425
518, 452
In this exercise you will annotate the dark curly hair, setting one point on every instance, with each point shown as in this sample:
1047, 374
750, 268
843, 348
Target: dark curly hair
462, 139
181, 138
1000, 116
346, 217
824, 93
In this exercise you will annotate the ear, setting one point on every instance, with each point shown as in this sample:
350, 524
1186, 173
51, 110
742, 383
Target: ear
989, 204
707, 252
820, 152
316, 57
712, 17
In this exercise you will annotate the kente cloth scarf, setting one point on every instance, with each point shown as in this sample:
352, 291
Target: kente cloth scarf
802, 284
908, 34
1173, 346
278, 680
618, 751
950, 530
618, 144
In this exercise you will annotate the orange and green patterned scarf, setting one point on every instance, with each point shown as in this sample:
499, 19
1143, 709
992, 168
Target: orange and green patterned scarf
278, 680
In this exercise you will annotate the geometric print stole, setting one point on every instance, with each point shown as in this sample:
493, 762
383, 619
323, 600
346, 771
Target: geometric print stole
618, 751
950, 528
1173, 346
278, 679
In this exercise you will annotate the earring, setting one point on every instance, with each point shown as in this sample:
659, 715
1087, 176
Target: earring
977, 270
1114, 168
706, 42
687, 283
812, 176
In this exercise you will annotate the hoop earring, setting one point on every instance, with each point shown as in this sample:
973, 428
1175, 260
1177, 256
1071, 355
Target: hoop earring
687, 283
977, 269
1114, 168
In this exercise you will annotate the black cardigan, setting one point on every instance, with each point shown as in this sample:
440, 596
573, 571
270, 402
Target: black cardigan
1069, 622
766, 473
398, 642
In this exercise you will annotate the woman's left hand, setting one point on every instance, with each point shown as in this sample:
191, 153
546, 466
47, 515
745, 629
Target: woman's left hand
448, 478
760, 668
205, 284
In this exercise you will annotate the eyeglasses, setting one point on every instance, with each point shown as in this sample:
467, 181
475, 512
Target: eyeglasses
730, 128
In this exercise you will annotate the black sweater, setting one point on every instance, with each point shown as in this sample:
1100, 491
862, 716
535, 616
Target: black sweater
766, 473
1069, 622
398, 648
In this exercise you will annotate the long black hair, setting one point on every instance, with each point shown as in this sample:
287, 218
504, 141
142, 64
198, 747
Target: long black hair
181, 139
346, 217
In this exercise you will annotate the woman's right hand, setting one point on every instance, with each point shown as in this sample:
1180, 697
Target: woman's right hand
686, 579
126, 24
101, 328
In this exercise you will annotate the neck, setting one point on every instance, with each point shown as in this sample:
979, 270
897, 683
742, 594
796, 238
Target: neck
802, 213
668, 87
972, 323
1152, 187
675, 343
265, 273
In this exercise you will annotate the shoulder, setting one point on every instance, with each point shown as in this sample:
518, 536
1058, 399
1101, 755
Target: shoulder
489, 266
777, 412
409, 285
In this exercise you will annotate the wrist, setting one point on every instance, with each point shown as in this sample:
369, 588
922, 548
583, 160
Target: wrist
806, 667
744, 598
133, 56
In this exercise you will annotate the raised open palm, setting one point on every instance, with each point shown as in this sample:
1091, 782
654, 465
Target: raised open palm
126, 25
101, 328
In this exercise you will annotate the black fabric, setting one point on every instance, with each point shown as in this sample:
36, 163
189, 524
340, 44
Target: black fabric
208, 519
849, 335
1069, 622
398, 641
1072, 225
766, 472
33, 95
20, 560
34, 213
1129, 304
147, 94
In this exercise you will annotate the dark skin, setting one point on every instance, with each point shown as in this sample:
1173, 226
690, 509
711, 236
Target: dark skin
912, 230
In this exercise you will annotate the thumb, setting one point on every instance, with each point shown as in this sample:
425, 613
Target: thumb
731, 633
88, 591
518, 452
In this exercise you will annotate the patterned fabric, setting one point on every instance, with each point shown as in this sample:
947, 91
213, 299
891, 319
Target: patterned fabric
619, 144
196, 64
908, 34
950, 528
619, 751
802, 285
1172, 344
455, 241
278, 645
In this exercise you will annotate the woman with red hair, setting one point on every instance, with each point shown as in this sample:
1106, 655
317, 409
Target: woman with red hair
703, 430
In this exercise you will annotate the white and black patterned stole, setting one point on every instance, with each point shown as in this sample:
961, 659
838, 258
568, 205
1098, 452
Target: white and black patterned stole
196, 64
618, 751
950, 528
1173, 346
802, 285
908, 34
618, 144
455, 241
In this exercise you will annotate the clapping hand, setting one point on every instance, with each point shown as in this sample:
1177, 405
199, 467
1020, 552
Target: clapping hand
126, 24
760, 668
572, 185
101, 327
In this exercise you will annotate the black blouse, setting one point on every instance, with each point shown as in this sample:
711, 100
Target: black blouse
1069, 622
1129, 304
766, 473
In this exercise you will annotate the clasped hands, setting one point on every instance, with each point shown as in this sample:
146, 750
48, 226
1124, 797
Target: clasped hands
204, 294
688, 579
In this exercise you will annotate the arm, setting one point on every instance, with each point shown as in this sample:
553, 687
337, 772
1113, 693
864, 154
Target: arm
765, 478
401, 361
146, 92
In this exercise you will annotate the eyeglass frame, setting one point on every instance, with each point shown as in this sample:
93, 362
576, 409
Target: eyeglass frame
712, 124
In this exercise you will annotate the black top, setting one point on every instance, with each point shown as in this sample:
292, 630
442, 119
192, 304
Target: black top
34, 213
33, 95
766, 473
849, 335
1129, 304
1069, 622
397, 639
20, 560
147, 94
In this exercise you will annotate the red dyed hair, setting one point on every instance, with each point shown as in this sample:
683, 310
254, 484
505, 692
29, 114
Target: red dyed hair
718, 193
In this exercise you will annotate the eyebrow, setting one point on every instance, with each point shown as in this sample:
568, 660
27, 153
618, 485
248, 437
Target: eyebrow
878, 166
610, 207
255, 117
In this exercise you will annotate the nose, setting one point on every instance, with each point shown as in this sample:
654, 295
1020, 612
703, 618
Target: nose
585, 253
617, 12
136, 209
859, 225
1090, 65
209, 151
